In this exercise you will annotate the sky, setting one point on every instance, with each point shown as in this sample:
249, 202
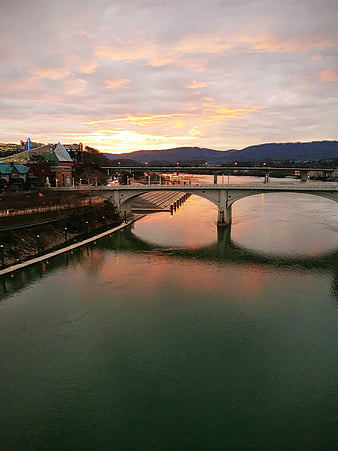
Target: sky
125, 75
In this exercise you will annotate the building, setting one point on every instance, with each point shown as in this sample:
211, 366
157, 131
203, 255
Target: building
16, 176
50, 163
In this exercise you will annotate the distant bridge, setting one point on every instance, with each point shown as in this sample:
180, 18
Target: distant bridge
221, 195
325, 173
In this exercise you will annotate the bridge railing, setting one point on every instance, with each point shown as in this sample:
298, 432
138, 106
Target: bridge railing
324, 186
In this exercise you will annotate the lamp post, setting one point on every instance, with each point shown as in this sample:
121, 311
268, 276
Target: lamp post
66, 233
38, 242
86, 226
2, 255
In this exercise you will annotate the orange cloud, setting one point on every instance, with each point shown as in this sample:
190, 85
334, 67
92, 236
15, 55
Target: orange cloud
157, 54
140, 120
209, 110
213, 111
118, 83
195, 132
53, 73
128, 51
329, 75
88, 68
178, 124
198, 84
189, 51
273, 43
316, 58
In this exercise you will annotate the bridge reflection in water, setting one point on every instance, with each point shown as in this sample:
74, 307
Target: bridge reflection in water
223, 251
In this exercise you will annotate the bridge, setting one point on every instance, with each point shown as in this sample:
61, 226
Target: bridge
267, 171
223, 196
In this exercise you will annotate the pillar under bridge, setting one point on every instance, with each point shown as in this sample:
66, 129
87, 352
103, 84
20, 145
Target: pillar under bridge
224, 203
224, 216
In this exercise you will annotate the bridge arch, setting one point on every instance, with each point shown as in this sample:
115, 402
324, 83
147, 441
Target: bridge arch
241, 195
131, 195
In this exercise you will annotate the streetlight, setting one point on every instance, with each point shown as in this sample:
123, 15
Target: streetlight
66, 233
86, 225
2, 255
38, 242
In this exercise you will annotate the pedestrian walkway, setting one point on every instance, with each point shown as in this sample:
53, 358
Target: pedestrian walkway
40, 258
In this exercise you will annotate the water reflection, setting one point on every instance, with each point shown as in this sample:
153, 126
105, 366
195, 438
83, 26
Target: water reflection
223, 251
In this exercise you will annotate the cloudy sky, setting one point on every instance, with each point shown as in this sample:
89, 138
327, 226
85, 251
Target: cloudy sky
124, 75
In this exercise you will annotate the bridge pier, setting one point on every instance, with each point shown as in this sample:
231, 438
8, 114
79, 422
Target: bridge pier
126, 211
224, 217
267, 178
122, 207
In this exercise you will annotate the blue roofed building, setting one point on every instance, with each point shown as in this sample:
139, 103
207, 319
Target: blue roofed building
15, 175
55, 156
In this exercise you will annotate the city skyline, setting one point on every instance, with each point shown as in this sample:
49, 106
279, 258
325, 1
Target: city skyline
125, 76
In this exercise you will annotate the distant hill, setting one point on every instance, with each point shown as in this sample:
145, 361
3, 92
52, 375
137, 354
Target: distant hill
300, 152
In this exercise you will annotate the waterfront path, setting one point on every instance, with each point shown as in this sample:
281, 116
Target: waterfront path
43, 257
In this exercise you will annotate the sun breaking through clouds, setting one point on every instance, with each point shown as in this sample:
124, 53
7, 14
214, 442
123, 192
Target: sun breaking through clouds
123, 76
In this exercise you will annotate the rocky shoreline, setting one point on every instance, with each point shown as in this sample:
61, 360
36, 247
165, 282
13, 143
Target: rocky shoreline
20, 244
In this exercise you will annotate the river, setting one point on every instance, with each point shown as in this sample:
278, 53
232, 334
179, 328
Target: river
170, 336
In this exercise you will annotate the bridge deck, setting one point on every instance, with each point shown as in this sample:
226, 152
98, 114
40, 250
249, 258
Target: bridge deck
330, 186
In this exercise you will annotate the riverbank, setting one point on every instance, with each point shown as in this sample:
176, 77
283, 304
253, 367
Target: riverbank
45, 256
21, 242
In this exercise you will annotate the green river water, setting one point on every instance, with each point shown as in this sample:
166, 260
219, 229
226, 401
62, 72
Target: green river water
170, 336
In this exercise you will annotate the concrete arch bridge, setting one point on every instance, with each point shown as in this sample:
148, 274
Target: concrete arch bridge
223, 196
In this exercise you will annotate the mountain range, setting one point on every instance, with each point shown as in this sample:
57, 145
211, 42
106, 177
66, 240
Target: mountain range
299, 151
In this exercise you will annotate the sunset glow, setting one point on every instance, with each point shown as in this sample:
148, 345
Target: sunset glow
218, 75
